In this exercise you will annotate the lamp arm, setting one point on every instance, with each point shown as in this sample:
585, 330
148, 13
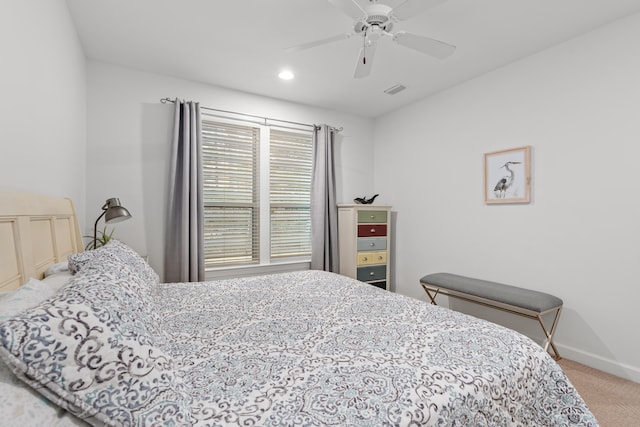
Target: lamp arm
95, 229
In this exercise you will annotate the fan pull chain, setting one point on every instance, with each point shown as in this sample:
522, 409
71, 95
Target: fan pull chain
364, 48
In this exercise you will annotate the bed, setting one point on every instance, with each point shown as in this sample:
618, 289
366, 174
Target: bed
110, 345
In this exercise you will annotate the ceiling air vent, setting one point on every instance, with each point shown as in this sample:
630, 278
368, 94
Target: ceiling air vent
394, 89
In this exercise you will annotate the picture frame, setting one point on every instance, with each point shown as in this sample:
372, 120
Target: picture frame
507, 176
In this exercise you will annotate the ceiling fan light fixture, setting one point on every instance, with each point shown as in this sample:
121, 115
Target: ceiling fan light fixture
286, 75
374, 21
375, 33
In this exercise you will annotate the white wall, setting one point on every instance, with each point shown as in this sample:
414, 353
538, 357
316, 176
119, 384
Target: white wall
577, 106
43, 108
130, 134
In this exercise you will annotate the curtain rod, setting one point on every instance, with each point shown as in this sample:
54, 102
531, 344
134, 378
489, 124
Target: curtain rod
265, 119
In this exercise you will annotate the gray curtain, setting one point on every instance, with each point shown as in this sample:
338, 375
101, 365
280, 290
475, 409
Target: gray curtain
324, 210
184, 247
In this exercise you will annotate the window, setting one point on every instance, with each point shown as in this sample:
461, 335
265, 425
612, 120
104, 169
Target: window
290, 194
257, 194
229, 163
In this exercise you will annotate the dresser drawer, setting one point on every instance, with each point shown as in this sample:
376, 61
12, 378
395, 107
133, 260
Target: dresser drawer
369, 230
372, 216
372, 244
376, 272
382, 284
370, 258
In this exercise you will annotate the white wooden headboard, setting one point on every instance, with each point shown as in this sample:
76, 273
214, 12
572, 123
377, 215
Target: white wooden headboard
35, 232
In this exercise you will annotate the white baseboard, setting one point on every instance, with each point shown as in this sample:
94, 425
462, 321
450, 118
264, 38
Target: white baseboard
610, 366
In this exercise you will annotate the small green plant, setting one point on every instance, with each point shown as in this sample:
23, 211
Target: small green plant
102, 238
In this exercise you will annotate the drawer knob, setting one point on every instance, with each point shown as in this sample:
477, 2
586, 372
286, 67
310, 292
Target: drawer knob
373, 230
372, 274
373, 216
380, 257
364, 258
372, 244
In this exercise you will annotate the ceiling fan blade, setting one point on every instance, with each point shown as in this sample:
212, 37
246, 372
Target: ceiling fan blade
350, 7
318, 42
365, 61
410, 8
424, 45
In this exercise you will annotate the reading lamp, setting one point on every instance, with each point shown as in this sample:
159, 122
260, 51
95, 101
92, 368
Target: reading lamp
112, 212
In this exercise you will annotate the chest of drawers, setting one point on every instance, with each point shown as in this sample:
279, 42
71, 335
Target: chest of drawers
364, 234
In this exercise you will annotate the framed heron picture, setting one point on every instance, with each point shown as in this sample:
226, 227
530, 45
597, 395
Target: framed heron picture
507, 176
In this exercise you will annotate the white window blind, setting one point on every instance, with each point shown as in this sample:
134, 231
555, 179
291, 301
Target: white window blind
232, 165
231, 194
290, 163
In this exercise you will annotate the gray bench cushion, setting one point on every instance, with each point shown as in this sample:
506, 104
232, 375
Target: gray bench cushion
519, 297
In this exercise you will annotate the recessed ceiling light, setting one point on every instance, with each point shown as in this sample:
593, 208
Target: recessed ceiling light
286, 75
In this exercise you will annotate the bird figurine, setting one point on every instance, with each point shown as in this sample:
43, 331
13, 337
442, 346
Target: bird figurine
364, 200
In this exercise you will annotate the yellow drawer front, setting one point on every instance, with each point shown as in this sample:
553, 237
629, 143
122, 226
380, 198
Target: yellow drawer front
371, 258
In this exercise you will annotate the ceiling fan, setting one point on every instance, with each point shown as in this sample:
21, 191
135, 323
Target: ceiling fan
376, 20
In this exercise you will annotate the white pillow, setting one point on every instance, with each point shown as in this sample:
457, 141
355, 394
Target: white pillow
30, 294
57, 268
56, 281
26, 296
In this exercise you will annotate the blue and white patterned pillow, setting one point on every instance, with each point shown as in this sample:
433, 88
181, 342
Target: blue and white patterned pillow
20, 403
94, 345
115, 251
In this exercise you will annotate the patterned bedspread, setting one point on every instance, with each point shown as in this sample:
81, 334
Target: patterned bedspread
313, 348
304, 348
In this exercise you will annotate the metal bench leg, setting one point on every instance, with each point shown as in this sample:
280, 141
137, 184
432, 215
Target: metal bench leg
549, 334
431, 297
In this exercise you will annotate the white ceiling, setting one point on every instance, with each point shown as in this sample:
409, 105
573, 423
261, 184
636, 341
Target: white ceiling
240, 44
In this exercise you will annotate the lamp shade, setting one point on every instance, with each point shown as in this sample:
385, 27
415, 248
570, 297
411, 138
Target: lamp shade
112, 212
115, 211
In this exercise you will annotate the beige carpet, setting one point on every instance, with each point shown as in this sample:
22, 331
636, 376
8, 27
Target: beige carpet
615, 402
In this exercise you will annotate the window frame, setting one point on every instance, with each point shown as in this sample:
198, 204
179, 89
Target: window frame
265, 264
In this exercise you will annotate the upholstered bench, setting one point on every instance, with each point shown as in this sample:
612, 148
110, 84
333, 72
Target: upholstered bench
524, 302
